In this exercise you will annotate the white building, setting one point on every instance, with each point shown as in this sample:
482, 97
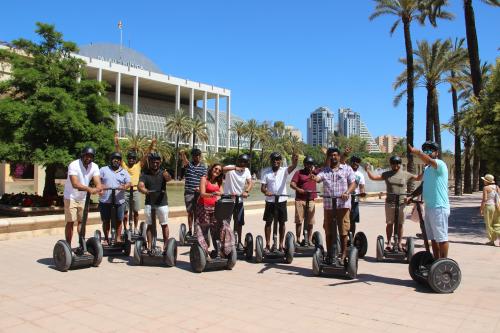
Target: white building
320, 126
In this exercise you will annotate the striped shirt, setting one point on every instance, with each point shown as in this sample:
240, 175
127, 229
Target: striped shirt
335, 183
193, 176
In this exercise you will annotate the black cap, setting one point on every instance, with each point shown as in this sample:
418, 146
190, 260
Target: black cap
115, 155
244, 158
132, 154
395, 160
308, 160
275, 156
88, 150
195, 152
154, 156
430, 145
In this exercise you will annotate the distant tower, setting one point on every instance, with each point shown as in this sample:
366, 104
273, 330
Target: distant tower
320, 127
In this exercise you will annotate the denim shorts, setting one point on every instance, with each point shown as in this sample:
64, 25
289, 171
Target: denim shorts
436, 223
105, 210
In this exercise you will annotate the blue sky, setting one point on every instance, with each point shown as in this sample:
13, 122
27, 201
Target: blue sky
281, 59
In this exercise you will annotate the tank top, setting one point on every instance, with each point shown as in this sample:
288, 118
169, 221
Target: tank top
490, 196
210, 188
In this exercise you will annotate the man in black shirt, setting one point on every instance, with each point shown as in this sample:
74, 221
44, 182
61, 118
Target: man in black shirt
153, 183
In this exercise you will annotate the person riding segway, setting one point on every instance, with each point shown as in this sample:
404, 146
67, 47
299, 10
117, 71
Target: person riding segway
238, 183
76, 202
305, 194
273, 185
153, 183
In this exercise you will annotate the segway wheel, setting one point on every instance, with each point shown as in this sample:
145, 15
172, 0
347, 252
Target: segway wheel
94, 246
62, 255
410, 248
444, 276
380, 248
248, 246
259, 249
419, 262
289, 247
97, 235
317, 258
127, 247
138, 251
317, 239
197, 258
182, 234
142, 229
231, 258
361, 243
352, 263
170, 256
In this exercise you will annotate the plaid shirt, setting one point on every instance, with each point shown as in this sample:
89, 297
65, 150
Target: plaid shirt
335, 183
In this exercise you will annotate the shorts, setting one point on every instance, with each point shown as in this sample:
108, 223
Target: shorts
436, 223
73, 210
161, 214
105, 210
239, 214
300, 208
354, 215
190, 201
343, 222
136, 200
390, 211
281, 210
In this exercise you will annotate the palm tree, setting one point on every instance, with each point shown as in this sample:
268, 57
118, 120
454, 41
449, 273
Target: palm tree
252, 129
406, 11
240, 130
199, 131
179, 126
431, 65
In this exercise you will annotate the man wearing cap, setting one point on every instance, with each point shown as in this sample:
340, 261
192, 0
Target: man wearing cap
305, 189
273, 183
435, 195
134, 167
194, 171
113, 176
396, 180
80, 173
238, 182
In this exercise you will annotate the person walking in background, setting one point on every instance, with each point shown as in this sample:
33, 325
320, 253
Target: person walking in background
490, 209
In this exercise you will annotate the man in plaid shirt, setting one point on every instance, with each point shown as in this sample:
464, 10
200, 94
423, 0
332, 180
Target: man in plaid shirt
338, 182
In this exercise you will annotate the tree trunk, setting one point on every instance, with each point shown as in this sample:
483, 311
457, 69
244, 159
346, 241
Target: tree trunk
467, 168
176, 155
429, 118
50, 190
410, 98
458, 150
437, 124
475, 167
473, 48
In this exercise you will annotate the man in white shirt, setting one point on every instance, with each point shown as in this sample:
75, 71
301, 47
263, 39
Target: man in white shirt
238, 182
273, 183
359, 178
80, 173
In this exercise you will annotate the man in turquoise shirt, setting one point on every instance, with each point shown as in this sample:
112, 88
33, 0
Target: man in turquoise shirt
435, 195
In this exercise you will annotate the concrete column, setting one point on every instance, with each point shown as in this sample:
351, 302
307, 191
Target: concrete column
135, 104
178, 98
228, 120
3, 177
217, 123
118, 90
205, 116
191, 110
39, 179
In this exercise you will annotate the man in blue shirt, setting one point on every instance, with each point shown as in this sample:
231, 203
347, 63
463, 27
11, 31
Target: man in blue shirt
113, 176
435, 195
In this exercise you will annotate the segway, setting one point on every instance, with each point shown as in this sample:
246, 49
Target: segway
330, 262
88, 253
200, 260
184, 238
246, 252
131, 234
155, 256
360, 239
306, 248
442, 275
275, 253
113, 247
404, 254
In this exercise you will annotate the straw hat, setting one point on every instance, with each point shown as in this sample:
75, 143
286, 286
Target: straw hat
488, 178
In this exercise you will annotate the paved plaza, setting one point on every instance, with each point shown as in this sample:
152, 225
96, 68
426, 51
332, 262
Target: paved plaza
118, 296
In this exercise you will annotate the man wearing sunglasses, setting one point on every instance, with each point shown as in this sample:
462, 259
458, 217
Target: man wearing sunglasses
435, 195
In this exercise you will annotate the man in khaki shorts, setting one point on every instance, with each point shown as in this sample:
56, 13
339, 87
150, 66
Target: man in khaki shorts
80, 173
395, 180
302, 183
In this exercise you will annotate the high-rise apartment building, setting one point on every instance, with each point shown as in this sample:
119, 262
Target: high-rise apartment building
320, 126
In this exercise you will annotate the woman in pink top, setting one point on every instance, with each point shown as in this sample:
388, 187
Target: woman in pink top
210, 191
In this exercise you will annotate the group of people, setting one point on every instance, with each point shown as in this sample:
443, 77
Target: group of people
203, 186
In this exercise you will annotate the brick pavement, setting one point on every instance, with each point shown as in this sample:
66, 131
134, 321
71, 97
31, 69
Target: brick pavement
253, 297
